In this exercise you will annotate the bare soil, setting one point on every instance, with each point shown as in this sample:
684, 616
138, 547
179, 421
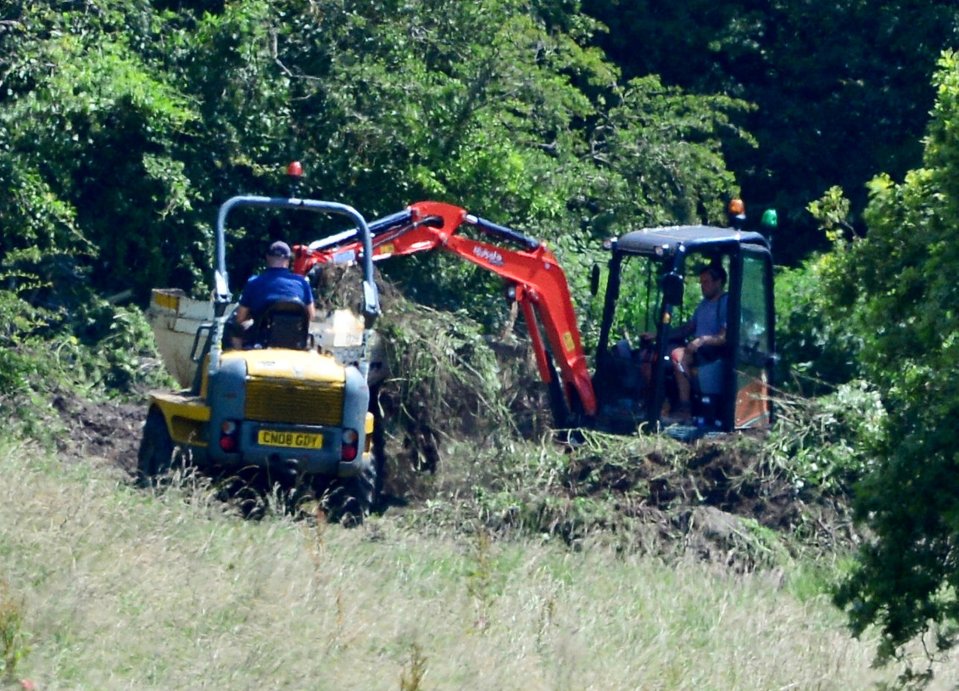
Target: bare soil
107, 432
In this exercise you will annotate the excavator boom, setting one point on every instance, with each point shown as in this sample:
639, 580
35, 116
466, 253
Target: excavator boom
536, 281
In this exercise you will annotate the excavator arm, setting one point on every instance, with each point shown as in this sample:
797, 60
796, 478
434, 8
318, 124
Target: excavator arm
535, 279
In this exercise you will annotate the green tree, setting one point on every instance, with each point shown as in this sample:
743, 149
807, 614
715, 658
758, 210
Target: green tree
663, 150
496, 108
90, 123
902, 295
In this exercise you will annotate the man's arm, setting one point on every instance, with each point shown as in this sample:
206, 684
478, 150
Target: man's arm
717, 340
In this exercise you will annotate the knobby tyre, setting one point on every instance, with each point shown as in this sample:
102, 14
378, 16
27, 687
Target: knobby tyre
155, 454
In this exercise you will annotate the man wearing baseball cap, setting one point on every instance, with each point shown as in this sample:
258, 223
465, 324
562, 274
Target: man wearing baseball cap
273, 285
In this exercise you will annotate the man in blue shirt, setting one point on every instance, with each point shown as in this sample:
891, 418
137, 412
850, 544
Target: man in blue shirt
707, 327
273, 285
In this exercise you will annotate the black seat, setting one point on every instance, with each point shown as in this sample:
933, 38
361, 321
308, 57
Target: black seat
284, 324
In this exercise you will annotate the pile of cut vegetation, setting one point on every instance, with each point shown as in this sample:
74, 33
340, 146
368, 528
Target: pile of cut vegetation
449, 385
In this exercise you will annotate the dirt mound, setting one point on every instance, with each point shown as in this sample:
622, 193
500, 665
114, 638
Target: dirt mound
720, 499
107, 432
720, 474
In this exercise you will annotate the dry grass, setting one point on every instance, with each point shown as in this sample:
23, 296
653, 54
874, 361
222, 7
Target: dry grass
124, 589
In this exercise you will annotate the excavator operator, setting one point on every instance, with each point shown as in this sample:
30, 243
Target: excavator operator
707, 327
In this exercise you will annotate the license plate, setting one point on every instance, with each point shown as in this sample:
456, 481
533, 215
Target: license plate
290, 440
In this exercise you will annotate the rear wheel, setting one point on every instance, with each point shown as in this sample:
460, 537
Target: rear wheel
351, 499
156, 448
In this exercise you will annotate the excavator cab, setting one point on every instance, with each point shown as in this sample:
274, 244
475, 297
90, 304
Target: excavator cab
651, 290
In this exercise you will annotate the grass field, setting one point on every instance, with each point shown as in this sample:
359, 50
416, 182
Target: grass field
106, 586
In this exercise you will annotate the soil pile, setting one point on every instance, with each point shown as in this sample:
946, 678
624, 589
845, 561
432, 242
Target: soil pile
99, 432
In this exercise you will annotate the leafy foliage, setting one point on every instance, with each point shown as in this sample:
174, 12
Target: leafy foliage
91, 124
823, 443
816, 331
666, 145
903, 295
106, 351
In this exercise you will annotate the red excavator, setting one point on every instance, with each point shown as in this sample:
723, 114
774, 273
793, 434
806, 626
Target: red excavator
645, 294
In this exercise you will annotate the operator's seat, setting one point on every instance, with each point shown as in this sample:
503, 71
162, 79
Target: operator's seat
284, 324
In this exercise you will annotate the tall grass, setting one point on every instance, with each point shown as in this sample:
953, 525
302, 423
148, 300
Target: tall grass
122, 588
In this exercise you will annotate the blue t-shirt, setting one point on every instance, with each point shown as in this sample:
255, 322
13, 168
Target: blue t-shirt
273, 285
710, 317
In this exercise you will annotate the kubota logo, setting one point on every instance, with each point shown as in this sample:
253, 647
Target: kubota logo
493, 257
